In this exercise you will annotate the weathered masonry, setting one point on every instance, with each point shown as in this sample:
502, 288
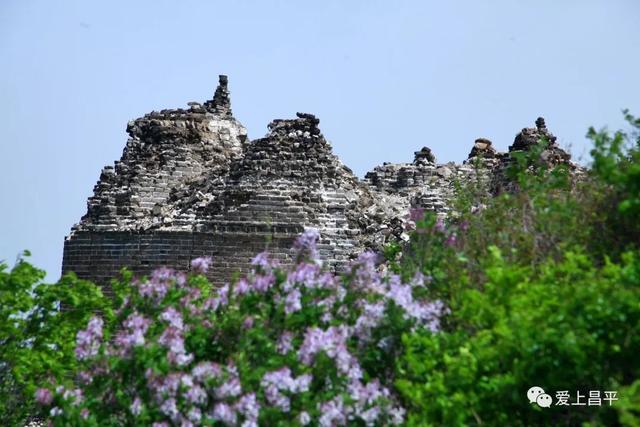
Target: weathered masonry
191, 184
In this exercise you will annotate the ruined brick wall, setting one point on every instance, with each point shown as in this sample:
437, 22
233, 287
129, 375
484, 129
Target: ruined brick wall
190, 184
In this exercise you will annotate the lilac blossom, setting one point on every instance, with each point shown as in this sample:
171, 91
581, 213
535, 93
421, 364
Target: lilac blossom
332, 413
366, 395
371, 415
230, 388
153, 290
326, 317
304, 418
292, 302
189, 299
173, 340
366, 276
262, 283
157, 286
419, 280
276, 398
305, 244
216, 302
196, 394
281, 380
163, 386
206, 370
284, 344
305, 274
186, 380
55, 411
369, 319
163, 274
248, 322
211, 304
451, 240
241, 287
400, 294
180, 278
316, 340
397, 415
249, 408
136, 406
88, 341
261, 260
75, 396
214, 391
173, 317
44, 396
194, 415
427, 313
170, 408
223, 294
224, 413
201, 265
132, 335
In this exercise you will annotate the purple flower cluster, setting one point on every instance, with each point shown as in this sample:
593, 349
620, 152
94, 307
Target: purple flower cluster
262, 261
390, 289
333, 342
305, 245
44, 396
157, 286
285, 343
201, 265
275, 383
132, 335
172, 338
88, 341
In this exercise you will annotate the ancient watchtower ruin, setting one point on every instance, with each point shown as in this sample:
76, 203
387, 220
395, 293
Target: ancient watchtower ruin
191, 184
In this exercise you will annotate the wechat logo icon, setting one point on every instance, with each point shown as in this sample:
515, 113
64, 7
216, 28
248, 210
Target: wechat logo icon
538, 396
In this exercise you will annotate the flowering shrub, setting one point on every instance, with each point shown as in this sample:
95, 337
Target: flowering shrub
297, 346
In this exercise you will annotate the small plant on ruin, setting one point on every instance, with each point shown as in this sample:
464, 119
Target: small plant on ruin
296, 346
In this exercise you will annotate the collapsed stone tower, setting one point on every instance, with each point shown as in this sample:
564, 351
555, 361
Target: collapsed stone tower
190, 184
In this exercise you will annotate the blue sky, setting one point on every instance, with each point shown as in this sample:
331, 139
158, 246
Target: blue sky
385, 78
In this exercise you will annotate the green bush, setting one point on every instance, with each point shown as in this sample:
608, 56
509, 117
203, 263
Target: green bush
562, 326
615, 174
37, 338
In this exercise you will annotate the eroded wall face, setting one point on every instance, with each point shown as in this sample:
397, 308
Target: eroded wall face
99, 256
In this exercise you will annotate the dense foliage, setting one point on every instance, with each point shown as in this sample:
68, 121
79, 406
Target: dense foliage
535, 286
37, 339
